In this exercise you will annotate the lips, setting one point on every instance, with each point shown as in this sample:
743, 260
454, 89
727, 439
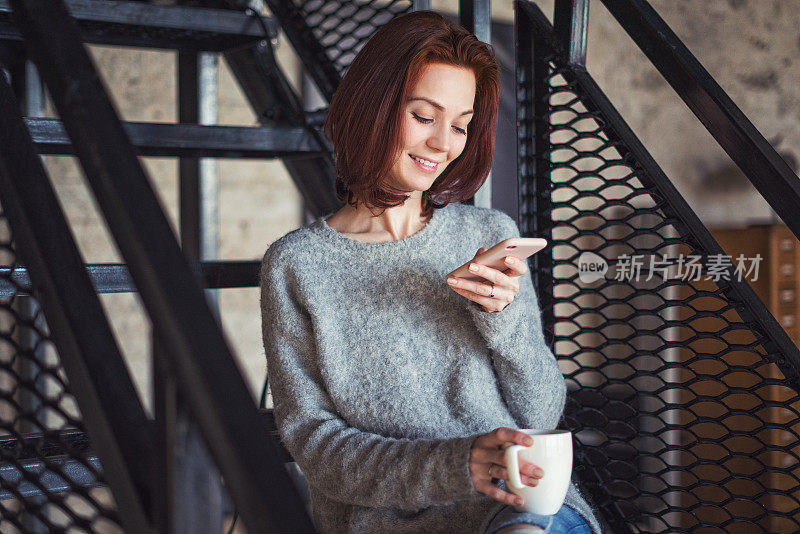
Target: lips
424, 168
426, 159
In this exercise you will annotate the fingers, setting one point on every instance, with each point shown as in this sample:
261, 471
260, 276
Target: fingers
487, 488
493, 275
499, 279
502, 290
501, 435
497, 458
490, 304
470, 287
518, 267
505, 287
531, 475
489, 450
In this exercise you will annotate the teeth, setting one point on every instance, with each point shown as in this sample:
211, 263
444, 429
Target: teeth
424, 162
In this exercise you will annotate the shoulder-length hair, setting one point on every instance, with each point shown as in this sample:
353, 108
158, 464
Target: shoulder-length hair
364, 121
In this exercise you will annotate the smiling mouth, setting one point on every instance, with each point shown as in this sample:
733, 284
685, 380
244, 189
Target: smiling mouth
424, 166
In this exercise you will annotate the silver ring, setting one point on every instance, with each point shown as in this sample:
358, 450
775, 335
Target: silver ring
492, 293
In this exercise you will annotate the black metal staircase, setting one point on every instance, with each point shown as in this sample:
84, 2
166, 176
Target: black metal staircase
670, 436
52, 477
683, 393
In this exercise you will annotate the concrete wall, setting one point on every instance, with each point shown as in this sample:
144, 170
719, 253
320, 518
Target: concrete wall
750, 47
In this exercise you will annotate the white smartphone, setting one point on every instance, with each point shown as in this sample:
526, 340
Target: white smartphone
518, 247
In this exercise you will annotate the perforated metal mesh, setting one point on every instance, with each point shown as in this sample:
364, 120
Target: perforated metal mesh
682, 421
49, 479
342, 27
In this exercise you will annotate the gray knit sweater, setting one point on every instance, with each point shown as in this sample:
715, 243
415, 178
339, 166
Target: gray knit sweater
382, 376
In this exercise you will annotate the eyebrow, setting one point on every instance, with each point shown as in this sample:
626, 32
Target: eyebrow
436, 104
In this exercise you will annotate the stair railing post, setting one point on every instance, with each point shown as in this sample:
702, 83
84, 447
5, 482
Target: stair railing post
476, 16
571, 25
29, 310
191, 484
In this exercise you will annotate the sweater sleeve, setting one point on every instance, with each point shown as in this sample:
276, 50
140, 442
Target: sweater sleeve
344, 463
519, 351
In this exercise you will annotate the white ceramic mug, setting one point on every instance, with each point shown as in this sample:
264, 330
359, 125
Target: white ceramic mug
552, 451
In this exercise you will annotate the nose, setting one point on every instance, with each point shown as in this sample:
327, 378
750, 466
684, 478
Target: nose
440, 139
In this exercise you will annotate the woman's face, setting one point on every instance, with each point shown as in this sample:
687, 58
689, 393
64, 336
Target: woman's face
435, 122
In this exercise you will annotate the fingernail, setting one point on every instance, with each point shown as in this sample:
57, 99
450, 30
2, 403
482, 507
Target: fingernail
528, 441
451, 281
538, 472
473, 267
519, 502
509, 259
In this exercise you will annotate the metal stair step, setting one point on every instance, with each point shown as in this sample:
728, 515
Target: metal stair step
23, 460
189, 140
115, 278
118, 22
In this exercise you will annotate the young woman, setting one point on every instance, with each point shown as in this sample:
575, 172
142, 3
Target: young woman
394, 389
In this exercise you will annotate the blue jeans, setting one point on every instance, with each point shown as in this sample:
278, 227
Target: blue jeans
565, 521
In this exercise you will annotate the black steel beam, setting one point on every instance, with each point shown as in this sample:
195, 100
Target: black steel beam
189, 140
98, 377
197, 353
190, 200
476, 16
571, 24
142, 24
754, 155
33, 322
274, 100
115, 278
275, 103
311, 53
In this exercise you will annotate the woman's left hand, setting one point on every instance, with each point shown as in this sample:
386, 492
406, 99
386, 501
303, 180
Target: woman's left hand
506, 284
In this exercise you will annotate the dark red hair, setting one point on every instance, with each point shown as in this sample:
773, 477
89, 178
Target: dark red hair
364, 120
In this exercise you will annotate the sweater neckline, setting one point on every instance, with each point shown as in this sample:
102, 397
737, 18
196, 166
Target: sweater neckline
418, 238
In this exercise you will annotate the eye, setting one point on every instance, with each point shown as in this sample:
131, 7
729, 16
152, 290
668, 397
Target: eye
423, 120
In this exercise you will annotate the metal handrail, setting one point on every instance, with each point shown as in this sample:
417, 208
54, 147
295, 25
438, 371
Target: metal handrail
723, 119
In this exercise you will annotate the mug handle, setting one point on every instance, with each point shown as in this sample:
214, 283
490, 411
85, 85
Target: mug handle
512, 465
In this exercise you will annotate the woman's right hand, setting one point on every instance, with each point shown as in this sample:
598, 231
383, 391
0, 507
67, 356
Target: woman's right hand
488, 451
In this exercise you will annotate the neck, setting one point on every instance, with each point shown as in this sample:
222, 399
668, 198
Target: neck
399, 221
